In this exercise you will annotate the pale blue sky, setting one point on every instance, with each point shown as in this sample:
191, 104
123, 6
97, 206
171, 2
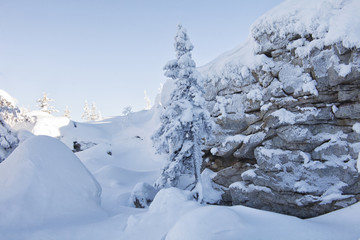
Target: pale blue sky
108, 51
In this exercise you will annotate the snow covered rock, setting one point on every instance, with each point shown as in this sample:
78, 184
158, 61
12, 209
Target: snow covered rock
142, 195
42, 182
286, 103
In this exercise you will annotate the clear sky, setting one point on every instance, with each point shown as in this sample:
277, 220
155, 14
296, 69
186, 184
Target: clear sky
109, 51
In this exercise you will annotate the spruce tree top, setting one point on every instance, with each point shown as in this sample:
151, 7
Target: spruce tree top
182, 42
183, 66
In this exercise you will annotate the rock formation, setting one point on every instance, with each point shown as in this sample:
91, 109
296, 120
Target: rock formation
287, 105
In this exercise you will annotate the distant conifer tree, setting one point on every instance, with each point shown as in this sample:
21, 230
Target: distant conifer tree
44, 104
86, 114
67, 112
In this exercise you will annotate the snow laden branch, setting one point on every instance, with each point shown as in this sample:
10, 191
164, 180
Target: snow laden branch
8, 139
185, 123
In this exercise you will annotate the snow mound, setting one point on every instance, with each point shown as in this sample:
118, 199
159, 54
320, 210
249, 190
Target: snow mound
168, 206
188, 227
42, 182
239, 222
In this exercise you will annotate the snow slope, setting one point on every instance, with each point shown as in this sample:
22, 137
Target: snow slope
240, 222
118, 152
43, 179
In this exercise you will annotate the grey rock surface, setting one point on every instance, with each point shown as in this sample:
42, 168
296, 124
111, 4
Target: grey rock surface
285, 140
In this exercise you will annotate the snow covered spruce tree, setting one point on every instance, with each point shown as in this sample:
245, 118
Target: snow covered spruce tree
185, 123
94, 113
86, 114
67, 112
91, 114
45, 106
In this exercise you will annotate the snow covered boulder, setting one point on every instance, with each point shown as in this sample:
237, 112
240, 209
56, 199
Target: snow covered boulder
43, 182
142, 195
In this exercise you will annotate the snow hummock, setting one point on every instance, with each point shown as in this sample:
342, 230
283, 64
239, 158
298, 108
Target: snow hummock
238, 222
42, 182
168, 206
188, 226
212, 191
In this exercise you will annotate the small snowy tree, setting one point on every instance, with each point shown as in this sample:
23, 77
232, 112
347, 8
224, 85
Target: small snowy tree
94, 114
91, 114
44, 104
67, 112
185, 123
86, 113
127, 110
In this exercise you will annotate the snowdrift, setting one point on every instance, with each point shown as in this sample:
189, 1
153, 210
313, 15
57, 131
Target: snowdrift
239, 222
42, 182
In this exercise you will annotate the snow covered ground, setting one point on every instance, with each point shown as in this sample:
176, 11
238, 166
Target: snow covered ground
47, 193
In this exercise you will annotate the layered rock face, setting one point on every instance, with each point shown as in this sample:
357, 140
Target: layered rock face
287, 105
